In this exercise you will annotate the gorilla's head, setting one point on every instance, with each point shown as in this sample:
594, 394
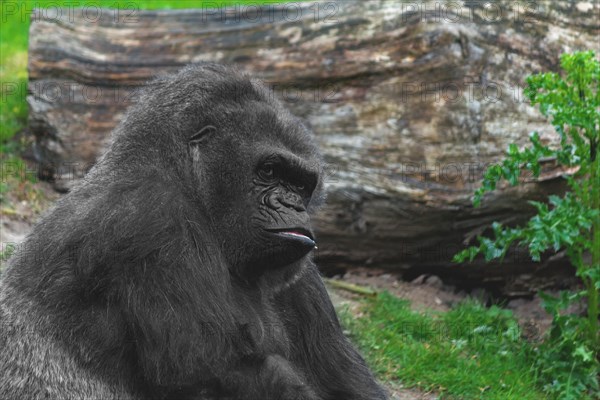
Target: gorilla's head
249, 168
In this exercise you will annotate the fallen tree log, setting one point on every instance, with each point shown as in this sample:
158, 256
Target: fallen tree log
410, 101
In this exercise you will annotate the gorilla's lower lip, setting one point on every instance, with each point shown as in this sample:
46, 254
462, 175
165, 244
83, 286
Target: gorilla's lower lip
297, 234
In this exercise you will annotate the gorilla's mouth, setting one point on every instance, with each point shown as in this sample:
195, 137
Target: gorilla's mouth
300, 234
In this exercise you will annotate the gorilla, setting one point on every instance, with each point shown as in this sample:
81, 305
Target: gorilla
180, 266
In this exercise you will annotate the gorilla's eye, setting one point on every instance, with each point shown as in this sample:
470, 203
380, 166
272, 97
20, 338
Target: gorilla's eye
267, 171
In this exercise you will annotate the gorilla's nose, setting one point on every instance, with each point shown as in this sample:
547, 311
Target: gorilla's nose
291, 200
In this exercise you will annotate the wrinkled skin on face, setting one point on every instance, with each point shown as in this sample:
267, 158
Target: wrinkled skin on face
264, 198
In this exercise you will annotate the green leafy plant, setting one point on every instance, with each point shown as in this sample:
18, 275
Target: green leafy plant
568, 359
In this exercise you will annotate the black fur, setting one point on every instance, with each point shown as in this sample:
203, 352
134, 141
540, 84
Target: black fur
154, 277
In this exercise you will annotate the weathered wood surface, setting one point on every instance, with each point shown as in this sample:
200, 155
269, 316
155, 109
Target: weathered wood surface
409, 100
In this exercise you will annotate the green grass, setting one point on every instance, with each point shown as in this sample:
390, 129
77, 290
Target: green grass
470, 352
14, 26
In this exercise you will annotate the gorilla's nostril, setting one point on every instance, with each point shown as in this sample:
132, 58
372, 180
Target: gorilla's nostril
272, 201
292, 200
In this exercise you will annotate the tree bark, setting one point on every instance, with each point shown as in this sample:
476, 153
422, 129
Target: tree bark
409, 101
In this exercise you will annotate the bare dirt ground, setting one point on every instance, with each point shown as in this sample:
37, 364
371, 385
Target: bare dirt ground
22, 208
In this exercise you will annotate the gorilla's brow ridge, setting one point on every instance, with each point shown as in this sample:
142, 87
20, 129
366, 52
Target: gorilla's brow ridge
294, 167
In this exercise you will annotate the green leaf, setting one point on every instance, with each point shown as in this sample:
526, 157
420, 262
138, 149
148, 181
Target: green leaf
585, 354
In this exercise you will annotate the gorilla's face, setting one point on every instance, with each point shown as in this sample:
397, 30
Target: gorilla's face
264, 188
283, 187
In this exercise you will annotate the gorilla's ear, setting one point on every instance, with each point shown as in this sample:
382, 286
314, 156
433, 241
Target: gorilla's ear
202, 135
